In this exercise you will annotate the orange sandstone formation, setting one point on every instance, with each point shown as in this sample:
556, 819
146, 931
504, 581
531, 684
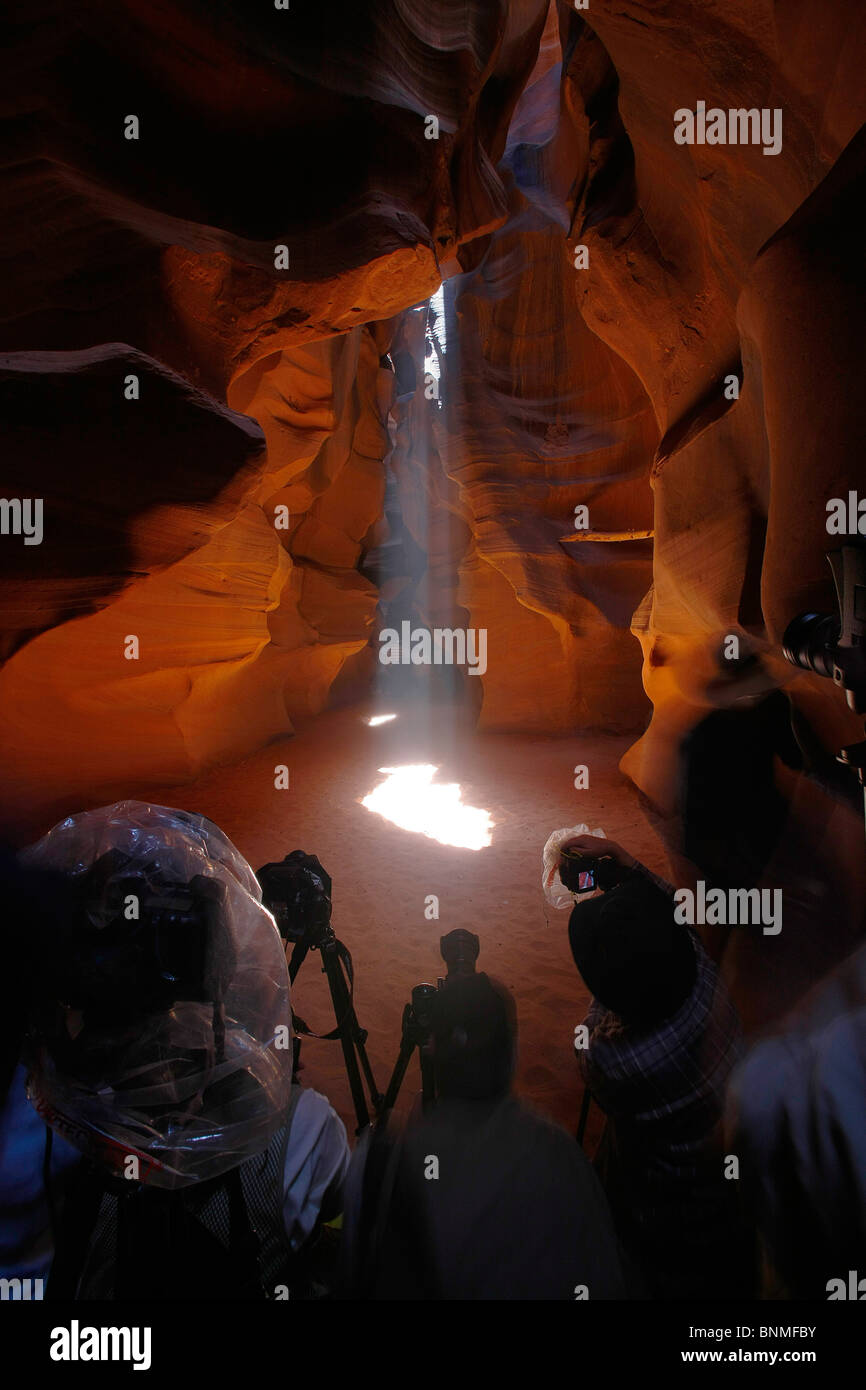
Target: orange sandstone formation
249, 212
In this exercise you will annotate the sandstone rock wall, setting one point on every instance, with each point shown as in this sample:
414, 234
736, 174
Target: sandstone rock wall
278, 202
284, 484
711, 260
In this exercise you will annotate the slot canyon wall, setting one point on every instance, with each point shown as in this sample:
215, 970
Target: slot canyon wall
258, 440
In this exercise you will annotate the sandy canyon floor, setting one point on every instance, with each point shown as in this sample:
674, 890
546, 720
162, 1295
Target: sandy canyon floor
383, 875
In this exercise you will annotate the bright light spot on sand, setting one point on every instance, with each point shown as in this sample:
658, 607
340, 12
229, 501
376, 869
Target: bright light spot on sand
380, 719
409, 798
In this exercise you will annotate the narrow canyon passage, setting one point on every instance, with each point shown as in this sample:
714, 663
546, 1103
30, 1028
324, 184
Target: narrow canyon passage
424, 428
382, 875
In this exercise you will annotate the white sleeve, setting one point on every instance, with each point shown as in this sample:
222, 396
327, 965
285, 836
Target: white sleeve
317, 1158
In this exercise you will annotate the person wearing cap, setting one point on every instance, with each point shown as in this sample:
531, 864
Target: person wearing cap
664, 1039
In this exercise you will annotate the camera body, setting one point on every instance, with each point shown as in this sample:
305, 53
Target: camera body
136, 944
297, 891
583, 873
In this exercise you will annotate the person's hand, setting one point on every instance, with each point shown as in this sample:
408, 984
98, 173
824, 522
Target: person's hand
598, 847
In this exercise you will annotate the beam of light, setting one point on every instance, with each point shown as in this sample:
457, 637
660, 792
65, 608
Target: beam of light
437, 309
434, 334
380, 719
410, 798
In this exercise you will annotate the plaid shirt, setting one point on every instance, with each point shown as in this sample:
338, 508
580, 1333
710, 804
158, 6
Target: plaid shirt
664, 1086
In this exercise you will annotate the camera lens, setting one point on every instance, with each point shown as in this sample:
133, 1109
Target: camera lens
809, 640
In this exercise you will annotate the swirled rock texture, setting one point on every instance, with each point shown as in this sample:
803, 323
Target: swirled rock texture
253, 211
243, 198
713, 262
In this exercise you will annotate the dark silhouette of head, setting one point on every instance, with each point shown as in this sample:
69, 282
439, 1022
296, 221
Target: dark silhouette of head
634, 957
474, 1038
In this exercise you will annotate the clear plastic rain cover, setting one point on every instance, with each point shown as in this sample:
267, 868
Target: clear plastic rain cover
166, 1036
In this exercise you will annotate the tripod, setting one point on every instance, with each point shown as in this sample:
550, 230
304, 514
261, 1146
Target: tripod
835, 645
417, 1028
337, 966
298, 893
459, 950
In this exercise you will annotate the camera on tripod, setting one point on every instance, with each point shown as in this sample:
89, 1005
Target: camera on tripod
834, 644
459, 949
297, 891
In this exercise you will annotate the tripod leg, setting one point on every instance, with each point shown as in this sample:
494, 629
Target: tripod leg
375, 1093
341, 1002
407, 1047
299, 955
428, 1089
358, 1034
359, 1037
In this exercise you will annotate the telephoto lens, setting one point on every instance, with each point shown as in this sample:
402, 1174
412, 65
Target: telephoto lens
810, 641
